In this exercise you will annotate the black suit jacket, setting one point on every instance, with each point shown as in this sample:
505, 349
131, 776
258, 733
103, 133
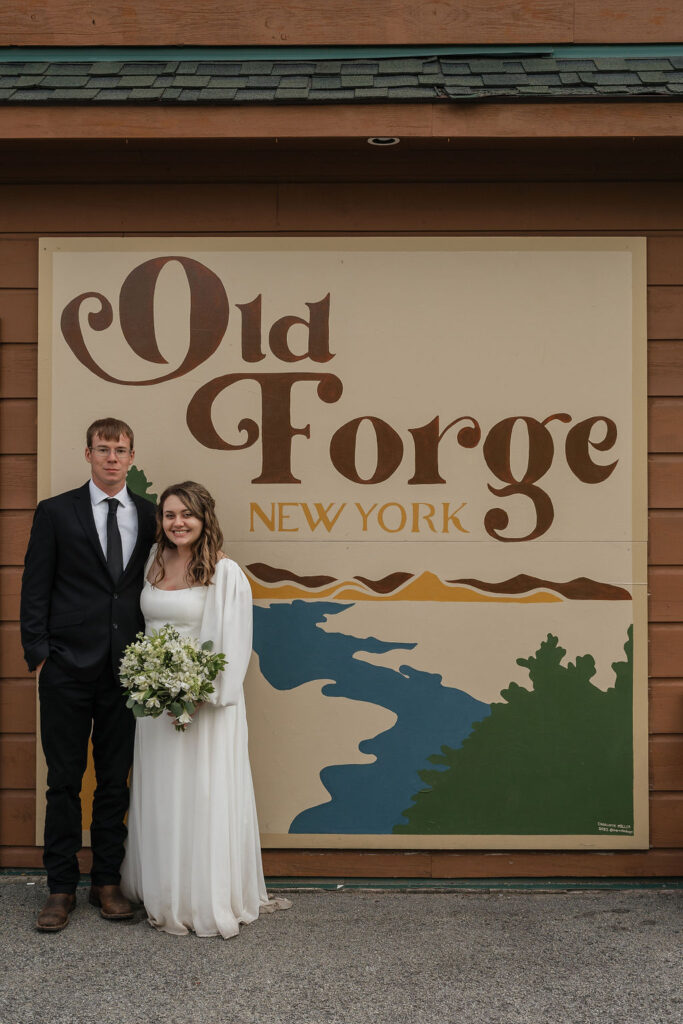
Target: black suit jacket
71, 610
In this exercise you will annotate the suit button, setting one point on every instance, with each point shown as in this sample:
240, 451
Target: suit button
115, 596
115, 625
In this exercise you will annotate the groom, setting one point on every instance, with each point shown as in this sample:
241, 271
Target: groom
83, 574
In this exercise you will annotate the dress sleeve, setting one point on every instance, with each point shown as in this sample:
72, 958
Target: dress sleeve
227, 621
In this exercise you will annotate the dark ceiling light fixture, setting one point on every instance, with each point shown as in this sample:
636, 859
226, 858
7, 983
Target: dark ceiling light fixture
383, 140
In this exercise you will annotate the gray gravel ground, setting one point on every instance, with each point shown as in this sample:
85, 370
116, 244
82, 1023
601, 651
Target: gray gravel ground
350, 957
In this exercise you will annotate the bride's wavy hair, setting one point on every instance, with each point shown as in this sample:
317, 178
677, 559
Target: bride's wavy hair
206, 549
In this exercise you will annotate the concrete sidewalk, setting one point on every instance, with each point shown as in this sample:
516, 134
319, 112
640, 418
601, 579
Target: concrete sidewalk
351, 957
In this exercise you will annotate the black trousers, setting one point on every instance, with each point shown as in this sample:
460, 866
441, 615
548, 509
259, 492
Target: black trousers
69, 710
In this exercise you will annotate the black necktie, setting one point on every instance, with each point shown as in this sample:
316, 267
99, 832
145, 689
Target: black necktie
114, 548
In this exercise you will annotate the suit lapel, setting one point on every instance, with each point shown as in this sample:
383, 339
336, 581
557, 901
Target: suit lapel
84, 512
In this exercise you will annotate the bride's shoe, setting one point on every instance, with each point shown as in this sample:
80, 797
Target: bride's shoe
275, 903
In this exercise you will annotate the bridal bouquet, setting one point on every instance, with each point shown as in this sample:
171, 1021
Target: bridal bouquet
169, 672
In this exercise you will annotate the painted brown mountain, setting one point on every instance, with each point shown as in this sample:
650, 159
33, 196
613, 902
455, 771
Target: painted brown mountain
268, 574
272, 583
388, 583
580, 589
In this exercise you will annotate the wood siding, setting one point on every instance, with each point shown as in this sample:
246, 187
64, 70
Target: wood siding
526, 208
337, 22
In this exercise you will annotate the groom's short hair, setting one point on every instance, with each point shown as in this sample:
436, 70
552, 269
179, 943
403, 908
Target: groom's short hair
109, 429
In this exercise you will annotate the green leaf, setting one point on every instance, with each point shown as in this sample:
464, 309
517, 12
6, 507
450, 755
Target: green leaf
138, 711
177, 708
207, 645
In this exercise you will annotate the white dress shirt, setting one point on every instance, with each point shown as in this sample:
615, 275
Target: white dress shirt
126, 517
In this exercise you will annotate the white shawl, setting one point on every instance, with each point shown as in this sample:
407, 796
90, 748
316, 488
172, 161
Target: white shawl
228, 621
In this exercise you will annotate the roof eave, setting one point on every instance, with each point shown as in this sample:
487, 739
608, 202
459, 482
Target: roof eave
647, 118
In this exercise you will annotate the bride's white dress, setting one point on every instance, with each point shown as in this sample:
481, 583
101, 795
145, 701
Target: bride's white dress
193, 855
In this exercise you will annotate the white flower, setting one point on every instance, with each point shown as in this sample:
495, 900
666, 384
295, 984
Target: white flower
153, 702
184, 719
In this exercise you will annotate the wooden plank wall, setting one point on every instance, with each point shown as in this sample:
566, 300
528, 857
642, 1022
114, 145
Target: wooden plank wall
524, 208
337, 22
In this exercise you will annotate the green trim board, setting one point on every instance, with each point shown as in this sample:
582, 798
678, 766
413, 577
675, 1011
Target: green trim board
428, 885
441, 885
55, 54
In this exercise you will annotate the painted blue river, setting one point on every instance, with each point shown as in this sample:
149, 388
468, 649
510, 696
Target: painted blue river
364, 798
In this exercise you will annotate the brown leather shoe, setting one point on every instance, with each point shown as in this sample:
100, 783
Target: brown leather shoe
111, 901
55, 914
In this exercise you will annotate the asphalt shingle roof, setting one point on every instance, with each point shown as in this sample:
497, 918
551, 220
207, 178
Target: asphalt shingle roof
379, 80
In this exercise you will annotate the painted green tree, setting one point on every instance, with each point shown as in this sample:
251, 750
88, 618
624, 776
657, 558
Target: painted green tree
554, 759
137, 481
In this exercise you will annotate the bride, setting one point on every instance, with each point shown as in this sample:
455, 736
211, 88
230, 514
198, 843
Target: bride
193, 855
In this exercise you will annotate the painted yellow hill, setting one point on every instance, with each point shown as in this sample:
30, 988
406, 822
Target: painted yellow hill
426, 587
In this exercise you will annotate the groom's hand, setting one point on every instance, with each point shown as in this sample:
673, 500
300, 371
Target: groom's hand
39, 668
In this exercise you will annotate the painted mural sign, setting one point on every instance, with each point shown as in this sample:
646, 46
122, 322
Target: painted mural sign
429, 458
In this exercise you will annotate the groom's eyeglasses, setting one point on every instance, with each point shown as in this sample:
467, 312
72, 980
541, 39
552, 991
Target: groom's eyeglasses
103, 452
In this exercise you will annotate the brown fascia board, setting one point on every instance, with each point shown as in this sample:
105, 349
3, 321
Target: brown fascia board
549, 120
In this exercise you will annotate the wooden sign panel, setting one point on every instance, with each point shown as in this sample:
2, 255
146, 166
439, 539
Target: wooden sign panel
429, 458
